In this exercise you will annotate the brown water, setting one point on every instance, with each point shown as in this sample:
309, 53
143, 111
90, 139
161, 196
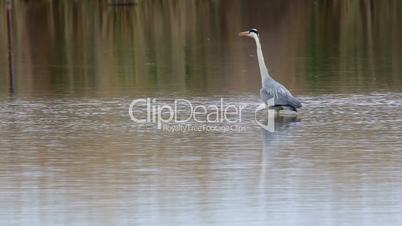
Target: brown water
70, 155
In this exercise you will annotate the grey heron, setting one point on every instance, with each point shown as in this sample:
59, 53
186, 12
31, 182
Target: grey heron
282, 98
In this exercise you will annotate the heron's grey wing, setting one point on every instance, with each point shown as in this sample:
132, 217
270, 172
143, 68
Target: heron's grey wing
294, 102
264, 95
275, 90
281, 95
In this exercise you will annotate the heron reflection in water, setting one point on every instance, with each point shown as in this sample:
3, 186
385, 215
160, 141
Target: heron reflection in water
274, 142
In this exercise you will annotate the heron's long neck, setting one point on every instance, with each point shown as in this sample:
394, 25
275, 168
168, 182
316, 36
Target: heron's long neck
263, 69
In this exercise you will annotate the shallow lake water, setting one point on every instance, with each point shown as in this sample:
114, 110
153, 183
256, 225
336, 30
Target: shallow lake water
71, 155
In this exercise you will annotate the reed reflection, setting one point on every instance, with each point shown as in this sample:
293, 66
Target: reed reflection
191, 47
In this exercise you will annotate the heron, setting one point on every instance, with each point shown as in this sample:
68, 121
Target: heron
271, 89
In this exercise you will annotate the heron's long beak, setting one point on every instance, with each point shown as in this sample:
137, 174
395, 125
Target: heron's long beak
244, 34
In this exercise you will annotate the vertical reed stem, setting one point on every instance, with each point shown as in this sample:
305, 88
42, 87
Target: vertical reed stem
10, 47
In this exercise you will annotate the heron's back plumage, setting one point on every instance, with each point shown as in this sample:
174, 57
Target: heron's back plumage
281, 95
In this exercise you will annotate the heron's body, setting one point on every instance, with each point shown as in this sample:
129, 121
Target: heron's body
282, 98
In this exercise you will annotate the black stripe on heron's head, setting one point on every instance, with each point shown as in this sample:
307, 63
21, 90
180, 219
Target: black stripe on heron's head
253, 31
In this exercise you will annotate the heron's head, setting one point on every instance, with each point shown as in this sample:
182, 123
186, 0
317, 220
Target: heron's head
252, 33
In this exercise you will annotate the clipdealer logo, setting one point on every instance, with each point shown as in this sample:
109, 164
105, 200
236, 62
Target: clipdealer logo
188, 116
